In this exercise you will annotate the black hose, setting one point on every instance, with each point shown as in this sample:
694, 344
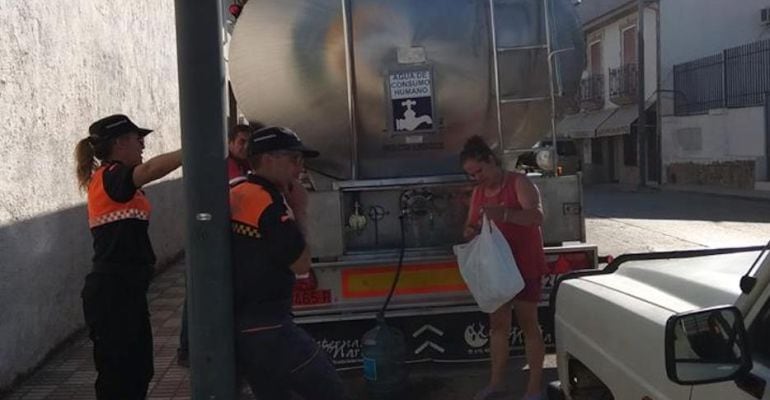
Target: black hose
402, 250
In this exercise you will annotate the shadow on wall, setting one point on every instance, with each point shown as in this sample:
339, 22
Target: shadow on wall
44, 261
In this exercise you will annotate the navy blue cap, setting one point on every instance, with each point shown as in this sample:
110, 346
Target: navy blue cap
113, 126
274, 138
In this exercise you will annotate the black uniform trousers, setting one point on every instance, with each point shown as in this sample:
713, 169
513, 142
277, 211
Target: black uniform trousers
276, 362
118, 319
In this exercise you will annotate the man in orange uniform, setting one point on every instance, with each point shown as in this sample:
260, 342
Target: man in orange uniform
275, 356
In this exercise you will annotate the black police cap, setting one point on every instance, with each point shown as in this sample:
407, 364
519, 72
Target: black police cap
113, 126
274, 138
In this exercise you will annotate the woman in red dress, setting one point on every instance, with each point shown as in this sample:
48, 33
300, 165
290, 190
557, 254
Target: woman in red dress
512, 201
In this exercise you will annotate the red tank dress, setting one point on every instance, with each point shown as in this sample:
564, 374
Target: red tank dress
526, 241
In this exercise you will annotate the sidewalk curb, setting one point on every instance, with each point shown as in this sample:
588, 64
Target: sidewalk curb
753, 195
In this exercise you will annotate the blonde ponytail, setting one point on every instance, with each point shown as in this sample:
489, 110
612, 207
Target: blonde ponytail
86, 163
87, 157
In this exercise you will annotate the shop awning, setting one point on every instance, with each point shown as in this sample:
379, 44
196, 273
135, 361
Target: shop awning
619, 123
582, 125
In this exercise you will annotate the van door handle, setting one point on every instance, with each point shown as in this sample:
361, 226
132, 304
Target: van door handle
752, 385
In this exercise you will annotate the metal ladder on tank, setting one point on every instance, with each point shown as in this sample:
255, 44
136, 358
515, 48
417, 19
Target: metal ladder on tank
510, 100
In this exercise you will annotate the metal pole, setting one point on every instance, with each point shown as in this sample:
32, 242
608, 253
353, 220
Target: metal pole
554, 149
767, 135
724, 78
209, 280
658, 116
641, 125
498, 107
350, 69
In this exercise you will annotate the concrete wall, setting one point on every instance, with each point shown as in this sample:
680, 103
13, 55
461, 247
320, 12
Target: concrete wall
62, 65
719, 136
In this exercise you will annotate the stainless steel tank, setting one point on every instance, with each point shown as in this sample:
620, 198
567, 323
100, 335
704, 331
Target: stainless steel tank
393, 88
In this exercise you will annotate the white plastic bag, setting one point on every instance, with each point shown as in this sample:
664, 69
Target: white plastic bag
488, 268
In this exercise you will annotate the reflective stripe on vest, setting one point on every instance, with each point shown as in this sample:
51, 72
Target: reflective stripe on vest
104, 210
247, 203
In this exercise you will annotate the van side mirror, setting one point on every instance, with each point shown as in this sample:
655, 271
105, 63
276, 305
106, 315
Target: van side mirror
706, 346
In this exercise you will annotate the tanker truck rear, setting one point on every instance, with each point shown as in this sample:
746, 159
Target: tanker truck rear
389, 91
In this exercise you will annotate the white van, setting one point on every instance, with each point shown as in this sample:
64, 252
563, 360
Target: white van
691, 325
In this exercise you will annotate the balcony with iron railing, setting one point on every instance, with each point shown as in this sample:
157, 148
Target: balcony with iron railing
592, 92
624, 84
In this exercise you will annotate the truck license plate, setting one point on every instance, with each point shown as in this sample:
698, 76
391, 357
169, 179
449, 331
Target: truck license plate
312, 297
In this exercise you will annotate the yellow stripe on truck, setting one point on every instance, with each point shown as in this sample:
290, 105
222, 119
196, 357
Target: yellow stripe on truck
415, 279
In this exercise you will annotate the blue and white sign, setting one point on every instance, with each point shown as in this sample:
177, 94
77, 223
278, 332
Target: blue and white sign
411, 100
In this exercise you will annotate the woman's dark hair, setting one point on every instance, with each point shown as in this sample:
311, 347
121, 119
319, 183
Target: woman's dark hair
87, 152
477, 149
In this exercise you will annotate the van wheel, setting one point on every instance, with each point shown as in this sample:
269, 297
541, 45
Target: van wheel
585, 385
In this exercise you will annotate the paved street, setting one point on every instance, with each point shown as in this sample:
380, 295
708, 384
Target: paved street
618, 222
654, 220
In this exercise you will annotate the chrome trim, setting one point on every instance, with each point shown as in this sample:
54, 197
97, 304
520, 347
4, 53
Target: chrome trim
428, 255
523, 99
515, 48
498, 104
554, 150
391, 182
350, 72
391, 257
370, 312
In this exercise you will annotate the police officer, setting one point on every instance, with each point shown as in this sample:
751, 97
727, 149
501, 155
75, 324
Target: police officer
268, 248
110, 169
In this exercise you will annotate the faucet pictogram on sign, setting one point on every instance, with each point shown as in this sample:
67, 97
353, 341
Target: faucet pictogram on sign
410, 121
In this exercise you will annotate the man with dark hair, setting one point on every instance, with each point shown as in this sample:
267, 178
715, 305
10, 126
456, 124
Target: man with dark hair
275, 356
236, 145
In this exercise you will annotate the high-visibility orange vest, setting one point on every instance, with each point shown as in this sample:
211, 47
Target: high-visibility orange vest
104, 210
247, 203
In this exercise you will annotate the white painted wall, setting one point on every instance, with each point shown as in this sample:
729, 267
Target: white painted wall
691, 29
721, 135
64, 64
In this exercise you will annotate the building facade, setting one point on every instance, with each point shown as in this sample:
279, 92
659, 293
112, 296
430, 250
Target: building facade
604, 126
